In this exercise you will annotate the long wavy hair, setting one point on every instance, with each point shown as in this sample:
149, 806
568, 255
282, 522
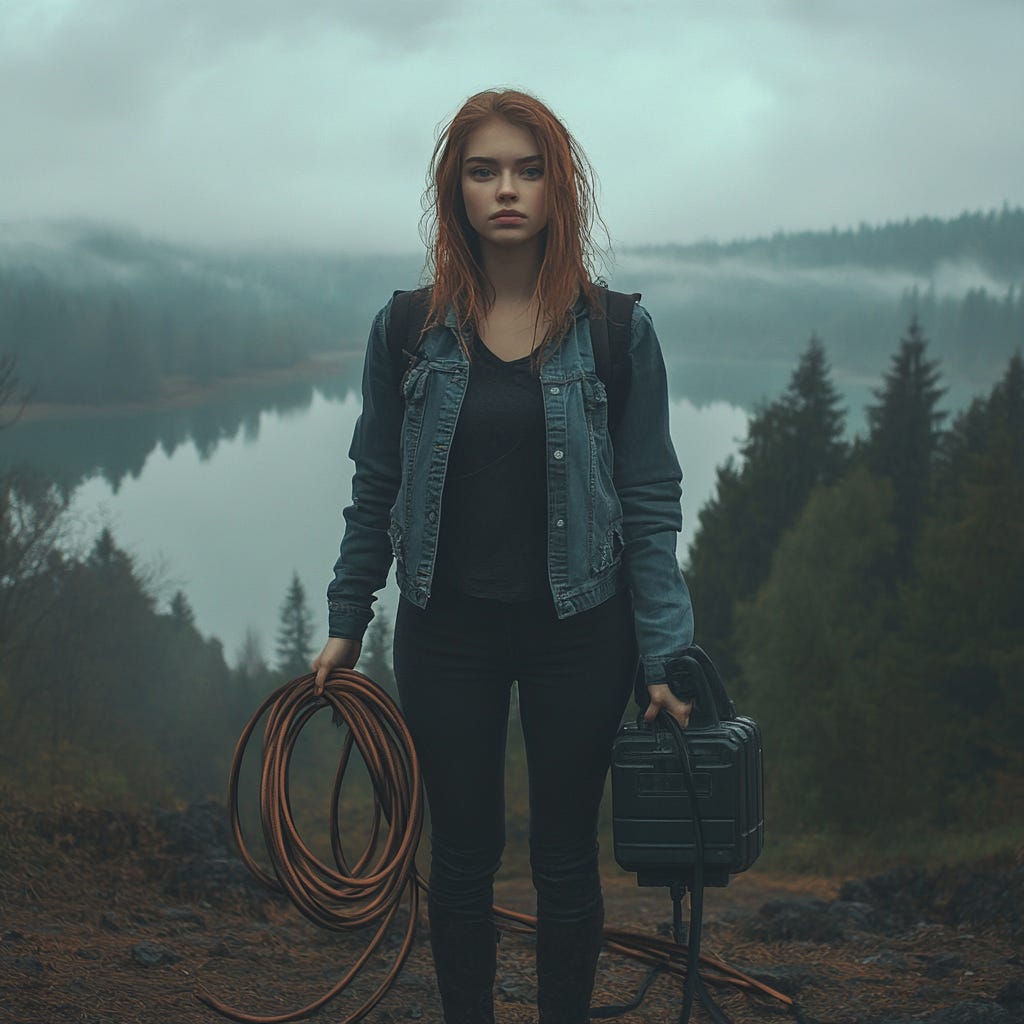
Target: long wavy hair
568, 265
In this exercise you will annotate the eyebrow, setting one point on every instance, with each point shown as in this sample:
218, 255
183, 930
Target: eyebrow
491, 161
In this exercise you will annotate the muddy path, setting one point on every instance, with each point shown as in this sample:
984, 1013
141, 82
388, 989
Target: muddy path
108, 918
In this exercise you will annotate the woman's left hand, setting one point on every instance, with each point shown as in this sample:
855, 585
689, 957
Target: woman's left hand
663, 699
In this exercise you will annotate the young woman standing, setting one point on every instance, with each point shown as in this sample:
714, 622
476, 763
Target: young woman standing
533, 541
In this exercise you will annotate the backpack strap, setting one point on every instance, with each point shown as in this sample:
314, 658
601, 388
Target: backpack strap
609, 338
405, 329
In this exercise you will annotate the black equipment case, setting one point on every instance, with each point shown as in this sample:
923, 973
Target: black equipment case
653, 820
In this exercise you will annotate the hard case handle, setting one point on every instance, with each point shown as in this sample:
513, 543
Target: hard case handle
693, 674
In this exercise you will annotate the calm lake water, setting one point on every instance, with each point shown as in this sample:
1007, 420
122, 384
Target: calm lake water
226, 500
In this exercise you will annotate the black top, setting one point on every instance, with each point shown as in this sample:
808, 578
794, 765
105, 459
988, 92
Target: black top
493, 538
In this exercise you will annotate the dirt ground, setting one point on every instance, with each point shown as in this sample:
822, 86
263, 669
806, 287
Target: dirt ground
108, 917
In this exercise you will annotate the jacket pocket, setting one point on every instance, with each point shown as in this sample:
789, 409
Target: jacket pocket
595, 401
610, 552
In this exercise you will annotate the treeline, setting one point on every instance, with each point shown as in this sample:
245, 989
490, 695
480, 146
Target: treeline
738, 317
105, 316
104, 697
116, 448
867, 601
994, 240
98, 315
114, 343
109, 694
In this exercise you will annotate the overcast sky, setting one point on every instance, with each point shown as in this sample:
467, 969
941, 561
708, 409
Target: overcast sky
310, 122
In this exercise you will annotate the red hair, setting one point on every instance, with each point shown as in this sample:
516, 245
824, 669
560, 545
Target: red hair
452, 252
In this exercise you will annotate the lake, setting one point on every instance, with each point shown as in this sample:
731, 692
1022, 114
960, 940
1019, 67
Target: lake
225, 500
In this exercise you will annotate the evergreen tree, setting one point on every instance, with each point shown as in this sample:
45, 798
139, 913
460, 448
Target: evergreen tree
250, 659
807, 642
904, 437
793, 445
181, 611
375, 660
295, 631
817, 421
961, 640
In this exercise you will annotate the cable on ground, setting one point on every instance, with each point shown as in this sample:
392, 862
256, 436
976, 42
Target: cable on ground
349, 896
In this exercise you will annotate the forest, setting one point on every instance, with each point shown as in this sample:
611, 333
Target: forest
863, 598
867, 601
96, 315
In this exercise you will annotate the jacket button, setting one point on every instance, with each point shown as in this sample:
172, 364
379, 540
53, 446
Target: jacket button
559, 453
556, 391
432, 516
559, 522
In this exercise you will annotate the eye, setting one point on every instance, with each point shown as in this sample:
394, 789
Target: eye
533, 173
480, 173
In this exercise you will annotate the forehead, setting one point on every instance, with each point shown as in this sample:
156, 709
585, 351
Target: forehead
496, 139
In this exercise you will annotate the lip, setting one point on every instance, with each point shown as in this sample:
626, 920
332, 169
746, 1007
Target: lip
508, 215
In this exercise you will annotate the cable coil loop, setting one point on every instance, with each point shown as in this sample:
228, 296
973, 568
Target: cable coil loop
342, 897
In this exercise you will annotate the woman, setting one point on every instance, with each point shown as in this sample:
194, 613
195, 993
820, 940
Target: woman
533, 542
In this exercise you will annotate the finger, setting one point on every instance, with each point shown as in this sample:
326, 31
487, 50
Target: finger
683, 711
321, 676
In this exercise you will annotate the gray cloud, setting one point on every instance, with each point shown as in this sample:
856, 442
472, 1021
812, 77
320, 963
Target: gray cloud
312, 122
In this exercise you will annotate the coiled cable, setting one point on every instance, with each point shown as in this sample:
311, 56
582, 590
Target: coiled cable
347, 897
338, 897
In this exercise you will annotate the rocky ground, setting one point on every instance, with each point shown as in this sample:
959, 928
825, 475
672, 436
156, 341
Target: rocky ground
109, 917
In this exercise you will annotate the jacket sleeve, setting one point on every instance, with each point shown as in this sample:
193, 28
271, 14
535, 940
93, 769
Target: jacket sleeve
648, 481
365, 556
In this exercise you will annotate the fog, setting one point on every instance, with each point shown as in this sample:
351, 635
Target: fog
310, 124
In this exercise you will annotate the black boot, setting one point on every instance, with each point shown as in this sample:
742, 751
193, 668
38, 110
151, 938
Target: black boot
464, 961
566, 965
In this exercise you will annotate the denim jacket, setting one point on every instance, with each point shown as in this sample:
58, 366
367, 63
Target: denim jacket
613, 495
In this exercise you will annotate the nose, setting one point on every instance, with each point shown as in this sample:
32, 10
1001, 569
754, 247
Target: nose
507, 186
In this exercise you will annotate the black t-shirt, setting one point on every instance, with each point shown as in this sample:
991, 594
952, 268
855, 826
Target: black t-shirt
493, 538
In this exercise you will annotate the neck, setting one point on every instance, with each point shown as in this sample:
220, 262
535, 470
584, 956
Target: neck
512, 272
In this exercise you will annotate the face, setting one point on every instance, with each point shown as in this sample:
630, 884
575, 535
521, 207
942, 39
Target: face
503, 184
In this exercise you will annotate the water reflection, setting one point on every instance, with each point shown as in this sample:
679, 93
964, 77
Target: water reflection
116, 447
226, 500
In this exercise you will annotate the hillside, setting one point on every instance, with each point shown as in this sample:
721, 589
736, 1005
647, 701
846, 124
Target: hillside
96, 314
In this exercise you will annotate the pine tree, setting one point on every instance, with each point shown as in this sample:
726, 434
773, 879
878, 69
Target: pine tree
375, 660
793, 445
295, 631
961, 637
181, 611
817, 421
249, 659
905, 430
807, 643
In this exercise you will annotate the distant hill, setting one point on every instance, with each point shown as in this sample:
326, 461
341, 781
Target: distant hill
98, 314
992, 242
760, 299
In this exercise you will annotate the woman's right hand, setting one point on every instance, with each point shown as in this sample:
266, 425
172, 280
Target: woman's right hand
337, 653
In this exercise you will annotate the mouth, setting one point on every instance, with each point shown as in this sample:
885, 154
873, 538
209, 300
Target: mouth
508, 215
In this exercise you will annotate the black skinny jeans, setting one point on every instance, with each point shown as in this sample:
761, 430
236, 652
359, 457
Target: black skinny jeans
455, 662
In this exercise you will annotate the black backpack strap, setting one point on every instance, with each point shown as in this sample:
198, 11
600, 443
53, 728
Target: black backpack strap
405, 329
599, 340
609, 338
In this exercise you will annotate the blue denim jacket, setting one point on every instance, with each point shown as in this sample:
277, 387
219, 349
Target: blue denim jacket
613, 496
